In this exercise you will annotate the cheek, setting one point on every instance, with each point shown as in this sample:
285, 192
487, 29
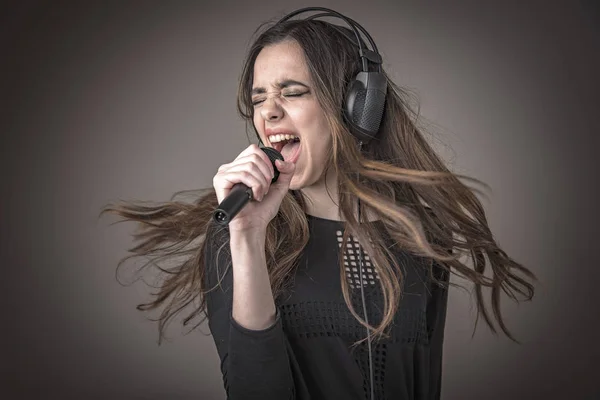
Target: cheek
258, 125
311, 120
256, 120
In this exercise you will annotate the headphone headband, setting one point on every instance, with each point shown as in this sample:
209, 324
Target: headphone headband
365, 54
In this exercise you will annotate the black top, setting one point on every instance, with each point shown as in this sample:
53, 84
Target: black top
306, 354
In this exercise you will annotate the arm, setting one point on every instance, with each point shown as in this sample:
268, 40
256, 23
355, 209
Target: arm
245, 323
253, 304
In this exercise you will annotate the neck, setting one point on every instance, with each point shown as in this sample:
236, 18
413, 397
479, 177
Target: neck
322, 197
323, 200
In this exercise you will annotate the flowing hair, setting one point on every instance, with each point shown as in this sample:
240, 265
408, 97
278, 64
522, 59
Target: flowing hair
427, 210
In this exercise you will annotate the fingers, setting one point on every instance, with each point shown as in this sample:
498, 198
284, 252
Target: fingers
251, 175
252, 168
266, 168
255, 150
254, 154
256, 185
224, 181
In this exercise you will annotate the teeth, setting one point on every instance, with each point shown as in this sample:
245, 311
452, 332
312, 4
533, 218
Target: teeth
280, 138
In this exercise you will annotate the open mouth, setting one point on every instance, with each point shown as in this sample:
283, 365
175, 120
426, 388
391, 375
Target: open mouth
289, 149
279, 146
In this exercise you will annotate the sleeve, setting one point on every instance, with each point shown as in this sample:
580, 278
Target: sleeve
254, 363
436, 315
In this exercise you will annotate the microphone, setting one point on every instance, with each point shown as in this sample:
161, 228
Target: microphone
241, 194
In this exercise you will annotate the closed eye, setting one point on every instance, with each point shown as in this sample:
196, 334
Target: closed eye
294, 94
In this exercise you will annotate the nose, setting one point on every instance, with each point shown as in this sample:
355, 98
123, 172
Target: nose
271, 110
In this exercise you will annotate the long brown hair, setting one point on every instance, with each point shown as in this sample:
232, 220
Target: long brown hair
427, 210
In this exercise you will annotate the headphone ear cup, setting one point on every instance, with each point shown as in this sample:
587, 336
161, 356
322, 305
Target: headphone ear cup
364, 104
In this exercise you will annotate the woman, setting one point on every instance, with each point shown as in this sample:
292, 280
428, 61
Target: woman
354, 234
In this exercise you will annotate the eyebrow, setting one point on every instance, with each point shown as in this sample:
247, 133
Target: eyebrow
280, 85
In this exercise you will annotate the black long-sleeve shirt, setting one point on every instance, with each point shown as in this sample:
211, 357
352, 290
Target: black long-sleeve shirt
307, 354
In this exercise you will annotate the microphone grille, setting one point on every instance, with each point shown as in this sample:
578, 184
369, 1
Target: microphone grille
273, 155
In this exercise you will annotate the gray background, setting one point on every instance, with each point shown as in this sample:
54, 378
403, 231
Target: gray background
136, 100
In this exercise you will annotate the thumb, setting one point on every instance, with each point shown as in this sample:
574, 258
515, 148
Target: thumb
286, 172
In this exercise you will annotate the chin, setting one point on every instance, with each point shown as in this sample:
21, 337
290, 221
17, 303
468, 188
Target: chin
294, 185
297, 182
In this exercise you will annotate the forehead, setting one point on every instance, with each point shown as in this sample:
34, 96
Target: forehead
279, 62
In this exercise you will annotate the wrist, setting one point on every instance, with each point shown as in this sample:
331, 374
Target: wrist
251, 237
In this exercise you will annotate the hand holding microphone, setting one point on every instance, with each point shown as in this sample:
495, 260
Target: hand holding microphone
251, 188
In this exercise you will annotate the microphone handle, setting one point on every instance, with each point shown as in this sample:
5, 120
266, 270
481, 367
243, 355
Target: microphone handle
237, 198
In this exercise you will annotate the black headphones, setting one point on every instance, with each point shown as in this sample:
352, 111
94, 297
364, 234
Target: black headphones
364, 100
